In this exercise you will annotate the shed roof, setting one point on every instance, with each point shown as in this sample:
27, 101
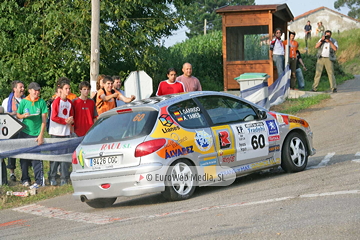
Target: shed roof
279, 9
305, 14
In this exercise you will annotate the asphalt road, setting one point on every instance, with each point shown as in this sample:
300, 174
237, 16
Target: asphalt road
321, 202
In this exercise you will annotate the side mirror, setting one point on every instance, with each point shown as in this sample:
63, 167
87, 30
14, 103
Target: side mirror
263, 115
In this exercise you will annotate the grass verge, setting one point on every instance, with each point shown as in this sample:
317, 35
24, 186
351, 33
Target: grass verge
293, 106
43, 193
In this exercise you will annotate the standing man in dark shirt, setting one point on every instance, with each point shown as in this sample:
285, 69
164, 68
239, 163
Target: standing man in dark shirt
307, 29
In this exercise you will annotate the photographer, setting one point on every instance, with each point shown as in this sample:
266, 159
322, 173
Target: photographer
327, 47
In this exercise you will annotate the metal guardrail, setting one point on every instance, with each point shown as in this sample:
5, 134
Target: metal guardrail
23, 148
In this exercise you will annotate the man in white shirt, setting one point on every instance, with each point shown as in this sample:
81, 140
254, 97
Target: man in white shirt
278, 52
10, 105
327, 47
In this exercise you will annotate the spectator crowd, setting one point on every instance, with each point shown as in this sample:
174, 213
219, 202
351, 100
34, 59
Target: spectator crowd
68, 115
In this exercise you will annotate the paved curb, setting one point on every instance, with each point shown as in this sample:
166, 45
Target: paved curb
292, 93
302, 94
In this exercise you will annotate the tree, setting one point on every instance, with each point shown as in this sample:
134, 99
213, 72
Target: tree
195, 14
354, 6
46, 39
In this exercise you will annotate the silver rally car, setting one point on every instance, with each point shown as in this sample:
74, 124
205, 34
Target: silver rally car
174, 143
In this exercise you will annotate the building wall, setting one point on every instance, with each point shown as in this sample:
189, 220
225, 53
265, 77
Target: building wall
333, 21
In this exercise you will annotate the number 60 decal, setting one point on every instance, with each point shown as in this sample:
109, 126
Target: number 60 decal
257, 142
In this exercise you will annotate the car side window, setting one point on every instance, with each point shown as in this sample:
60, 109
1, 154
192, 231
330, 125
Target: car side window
188, 114
223, 110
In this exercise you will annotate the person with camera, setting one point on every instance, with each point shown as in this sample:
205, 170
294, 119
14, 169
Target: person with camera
327, 47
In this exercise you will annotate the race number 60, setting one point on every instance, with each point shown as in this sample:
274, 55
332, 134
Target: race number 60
257, 142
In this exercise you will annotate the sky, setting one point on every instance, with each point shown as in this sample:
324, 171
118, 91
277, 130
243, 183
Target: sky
297, 7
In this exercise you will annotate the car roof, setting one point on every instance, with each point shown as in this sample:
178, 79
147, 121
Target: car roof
155, 103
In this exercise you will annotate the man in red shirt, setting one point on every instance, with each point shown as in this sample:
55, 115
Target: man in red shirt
170, 86
84, 110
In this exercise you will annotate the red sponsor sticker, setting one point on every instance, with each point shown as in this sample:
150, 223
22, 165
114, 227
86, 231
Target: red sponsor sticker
274, 138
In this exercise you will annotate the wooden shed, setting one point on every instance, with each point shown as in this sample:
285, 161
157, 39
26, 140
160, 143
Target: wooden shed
247, 32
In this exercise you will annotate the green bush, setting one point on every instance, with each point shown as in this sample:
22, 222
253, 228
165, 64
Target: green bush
203, 52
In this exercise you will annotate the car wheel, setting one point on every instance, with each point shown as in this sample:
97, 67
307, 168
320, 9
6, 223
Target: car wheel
101, 202
179, 181
294, 155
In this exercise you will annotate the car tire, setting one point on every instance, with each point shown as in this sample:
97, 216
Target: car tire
176, 190
101, 202
294, 154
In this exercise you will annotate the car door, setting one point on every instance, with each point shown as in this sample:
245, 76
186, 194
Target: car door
241, 136
195, 131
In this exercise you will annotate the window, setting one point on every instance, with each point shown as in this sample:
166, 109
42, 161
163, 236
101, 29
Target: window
224, 110
121, 126
188, 114
247, 43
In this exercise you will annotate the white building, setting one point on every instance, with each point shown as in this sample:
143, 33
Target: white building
332, 20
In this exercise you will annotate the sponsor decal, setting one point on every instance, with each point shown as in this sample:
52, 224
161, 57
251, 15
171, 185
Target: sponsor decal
264, 163
243, 168
203, 140
171, 129
208, 162
177, 139
272, 127
126, 145
274, 138
166, 120
281, 119
298, 121
274, 148
241, 138
240, 129
255, 127
178, 152
81, 158
174, 149
228, 158
224, 139
110, 146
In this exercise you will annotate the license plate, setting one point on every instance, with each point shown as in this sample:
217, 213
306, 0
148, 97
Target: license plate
104, 161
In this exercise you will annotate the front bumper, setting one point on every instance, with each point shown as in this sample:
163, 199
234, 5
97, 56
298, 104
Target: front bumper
123, 182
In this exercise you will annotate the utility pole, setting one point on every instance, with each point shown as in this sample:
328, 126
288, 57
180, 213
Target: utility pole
205, 26
95, 44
